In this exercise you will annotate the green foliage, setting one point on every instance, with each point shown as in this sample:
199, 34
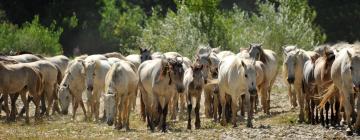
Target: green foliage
31, 37
71, 22
199, 22
288, 24
121, 24
175, 32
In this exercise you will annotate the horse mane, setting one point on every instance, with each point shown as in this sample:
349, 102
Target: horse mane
23, 52
6, 60
263, 56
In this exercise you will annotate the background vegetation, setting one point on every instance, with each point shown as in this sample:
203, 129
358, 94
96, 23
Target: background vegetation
98, 26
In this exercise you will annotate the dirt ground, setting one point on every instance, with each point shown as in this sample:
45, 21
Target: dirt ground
280, 124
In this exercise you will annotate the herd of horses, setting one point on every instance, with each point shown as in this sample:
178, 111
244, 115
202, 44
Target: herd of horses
326, 78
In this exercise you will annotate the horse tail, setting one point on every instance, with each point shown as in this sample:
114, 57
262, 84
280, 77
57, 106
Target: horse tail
143, 111
59, 75
329, 93
39, 80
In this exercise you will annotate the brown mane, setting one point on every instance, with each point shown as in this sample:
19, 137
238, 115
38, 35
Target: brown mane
263, 57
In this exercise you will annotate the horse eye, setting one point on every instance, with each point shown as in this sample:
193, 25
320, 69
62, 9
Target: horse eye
245, 75
67, 97
93, 74
351, 68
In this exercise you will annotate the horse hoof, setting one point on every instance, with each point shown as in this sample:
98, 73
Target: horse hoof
349, 132
235, 125
249, 125
300, 121
197, 126
223, 122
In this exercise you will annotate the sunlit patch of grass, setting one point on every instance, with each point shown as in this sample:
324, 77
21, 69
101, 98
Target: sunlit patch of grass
289, 118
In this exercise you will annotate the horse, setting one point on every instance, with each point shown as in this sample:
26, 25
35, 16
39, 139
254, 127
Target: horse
237, 77
72, 86
21, 78
268, 58
346, 80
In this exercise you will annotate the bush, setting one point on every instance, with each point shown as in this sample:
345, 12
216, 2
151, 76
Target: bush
202, 22
121, 24
276, 27
175, 32
31, 37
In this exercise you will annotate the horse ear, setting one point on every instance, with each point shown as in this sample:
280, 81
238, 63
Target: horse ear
283, 48
243, 64
83, 66
141, 49
325, 51
349, 54
297, 52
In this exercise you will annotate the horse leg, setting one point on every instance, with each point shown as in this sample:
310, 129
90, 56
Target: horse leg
182, 103
223, 108
234, 107
49, 99
42, 104
357, 123
263, 97
76, 104
126, 110
242, 106
327, 106
312, 112
23, 109
164, 113
13, 111
36, 100
332, 113
6, 104
56, 101
189, 108
301, 103
174, 105
248, 102
197, 111
337, 114
216, 107
83, 107
322, 117
348, 111
26, 107
207, 103
228, 109
120, 105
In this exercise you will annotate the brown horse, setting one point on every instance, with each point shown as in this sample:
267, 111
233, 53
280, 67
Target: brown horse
21, 78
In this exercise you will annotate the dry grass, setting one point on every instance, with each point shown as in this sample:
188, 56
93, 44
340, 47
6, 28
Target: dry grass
62, 127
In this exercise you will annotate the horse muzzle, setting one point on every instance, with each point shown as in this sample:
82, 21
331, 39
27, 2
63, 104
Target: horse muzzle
90, 88
180, 88
110, 122
253, 91
291, 80
64, 112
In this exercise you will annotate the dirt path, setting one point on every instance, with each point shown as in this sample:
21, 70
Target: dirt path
280, 124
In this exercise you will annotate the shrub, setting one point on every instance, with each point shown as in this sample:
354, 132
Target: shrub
276, 27
31, 37
175, 32
121, 24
